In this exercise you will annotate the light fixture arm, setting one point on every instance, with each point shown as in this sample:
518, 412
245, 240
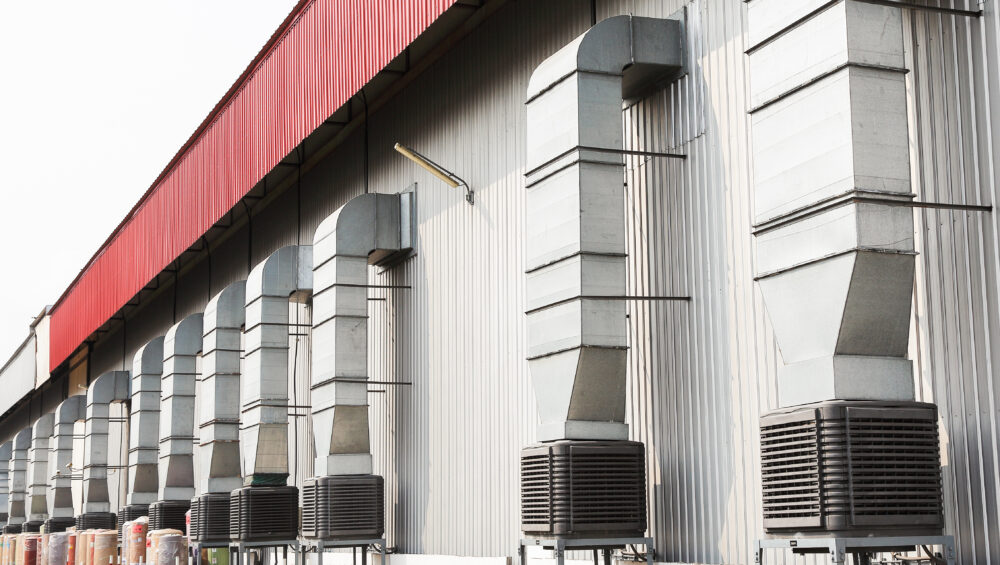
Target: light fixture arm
448, 177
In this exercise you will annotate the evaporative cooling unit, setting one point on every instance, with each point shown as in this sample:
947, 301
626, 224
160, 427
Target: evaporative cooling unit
210, 517
96, 521
263, 513
55, 525
343, 507
128, 514
850, 467
168, 514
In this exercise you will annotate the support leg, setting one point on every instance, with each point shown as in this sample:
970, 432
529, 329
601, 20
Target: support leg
595, 557
364, 555
521, 552
607, 557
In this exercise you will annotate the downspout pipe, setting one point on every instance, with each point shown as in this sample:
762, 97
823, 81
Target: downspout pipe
5, 453
38, 469
17, 483
144, 428
112, 386
60, 500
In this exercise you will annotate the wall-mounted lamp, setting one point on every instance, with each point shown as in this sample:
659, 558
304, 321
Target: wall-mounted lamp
451, 179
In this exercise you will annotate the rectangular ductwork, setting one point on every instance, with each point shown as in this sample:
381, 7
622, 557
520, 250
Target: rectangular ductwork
110, 387
17, 477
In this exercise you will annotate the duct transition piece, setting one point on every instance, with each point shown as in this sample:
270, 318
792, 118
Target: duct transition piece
345, 500
576, 272
835, 259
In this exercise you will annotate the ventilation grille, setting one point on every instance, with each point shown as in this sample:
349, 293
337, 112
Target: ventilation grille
169, 514
32, 527
129, 513
55, 525
264, 513
210, 517
96, 521
343, 507
584, 487
12, 529
849, 466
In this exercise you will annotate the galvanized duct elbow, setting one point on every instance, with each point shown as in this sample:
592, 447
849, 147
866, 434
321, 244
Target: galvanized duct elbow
5, 453
38, 468
109, 387
144, 424
181, 346
360, 232
575, 221
17, 477
264, 411
219, 421
67, 414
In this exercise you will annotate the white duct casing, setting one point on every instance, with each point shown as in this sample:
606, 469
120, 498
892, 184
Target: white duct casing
575, 221
67, 414
38, 468
17, 477
219, 421
834, 235
264, 386
5, 453
144, 423
110, 387
181, 346
363, 230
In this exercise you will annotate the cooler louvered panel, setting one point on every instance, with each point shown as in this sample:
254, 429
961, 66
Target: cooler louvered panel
264, 513
344, 507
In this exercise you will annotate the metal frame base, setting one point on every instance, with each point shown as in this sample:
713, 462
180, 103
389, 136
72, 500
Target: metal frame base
194, 549
241, 547
322, 545
560, 546
840, 547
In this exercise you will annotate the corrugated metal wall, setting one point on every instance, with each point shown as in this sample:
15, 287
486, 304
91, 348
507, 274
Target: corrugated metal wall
330, 51
701, 371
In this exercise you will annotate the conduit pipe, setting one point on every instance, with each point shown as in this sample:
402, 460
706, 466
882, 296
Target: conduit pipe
110, 387
38, 468
5, 453
144, 428
17, 483
264, 411
67, 414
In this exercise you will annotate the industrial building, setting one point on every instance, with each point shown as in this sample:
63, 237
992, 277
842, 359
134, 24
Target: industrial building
414, 255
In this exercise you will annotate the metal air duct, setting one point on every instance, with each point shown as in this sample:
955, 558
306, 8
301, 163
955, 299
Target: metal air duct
109, 387
835, 260
144, 429
181, 346
60, 500
285, 274
17, 477
5, 453
38, 469
219, 418
576, 250
368, 229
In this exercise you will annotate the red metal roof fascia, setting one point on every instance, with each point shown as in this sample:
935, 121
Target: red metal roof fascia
322, 55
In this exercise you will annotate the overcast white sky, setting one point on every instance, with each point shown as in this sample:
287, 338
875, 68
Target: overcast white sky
95, 98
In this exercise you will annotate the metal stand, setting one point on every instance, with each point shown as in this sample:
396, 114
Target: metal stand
322, 545
194, 549
560, 546
241, 546
839, 548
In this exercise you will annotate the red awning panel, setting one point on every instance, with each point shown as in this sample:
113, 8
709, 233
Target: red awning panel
321, 56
